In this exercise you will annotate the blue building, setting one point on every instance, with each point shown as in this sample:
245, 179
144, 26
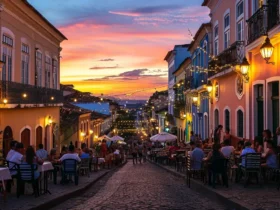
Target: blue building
174, 58
198, 79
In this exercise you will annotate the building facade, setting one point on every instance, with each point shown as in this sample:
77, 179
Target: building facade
263, 28
200, 50
174, 58
229, 83
30, 76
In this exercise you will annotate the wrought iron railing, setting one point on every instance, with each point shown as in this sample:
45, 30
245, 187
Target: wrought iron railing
263, 20
18, 93
232, 56
188, 82
179, 108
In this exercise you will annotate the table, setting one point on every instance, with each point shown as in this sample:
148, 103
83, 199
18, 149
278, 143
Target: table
44, 169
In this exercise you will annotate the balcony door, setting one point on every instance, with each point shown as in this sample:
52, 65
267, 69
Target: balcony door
25, 137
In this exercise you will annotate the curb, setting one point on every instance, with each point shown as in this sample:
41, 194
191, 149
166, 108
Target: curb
54, 202
209, 192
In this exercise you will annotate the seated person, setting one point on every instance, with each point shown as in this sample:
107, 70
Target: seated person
197, 156
192, 144
42, 153
85, 151
70, 155
258, 145
215, 153
12, 150
17, 157
227, 149
270, 156
240, 147
31, 159
246, 150
52, 156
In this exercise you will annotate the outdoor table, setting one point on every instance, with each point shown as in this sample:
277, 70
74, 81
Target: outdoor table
44, 169
4, 175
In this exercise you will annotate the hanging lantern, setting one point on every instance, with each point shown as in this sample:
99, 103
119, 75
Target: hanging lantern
209, 86
267, 50
244, 66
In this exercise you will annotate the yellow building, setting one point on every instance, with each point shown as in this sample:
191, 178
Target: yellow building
30, 98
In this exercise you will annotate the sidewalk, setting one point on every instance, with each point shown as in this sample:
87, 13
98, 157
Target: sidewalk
236, 196
60, 193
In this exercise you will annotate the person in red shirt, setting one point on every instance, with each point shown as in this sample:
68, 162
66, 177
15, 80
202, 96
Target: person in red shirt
103, 148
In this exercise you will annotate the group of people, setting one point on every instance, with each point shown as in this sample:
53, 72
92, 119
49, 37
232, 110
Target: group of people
139, 152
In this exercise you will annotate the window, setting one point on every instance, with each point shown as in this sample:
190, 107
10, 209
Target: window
227, 119
48, 72
226, 39
7, 58
216, 47
216, 118
240, 123
239, 9
24, 64
257, 4
226, 21
240, 30
216, 31
38, 72
54, 74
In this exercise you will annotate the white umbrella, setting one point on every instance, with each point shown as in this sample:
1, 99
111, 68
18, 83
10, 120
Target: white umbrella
104, 137
163, 137
117, 138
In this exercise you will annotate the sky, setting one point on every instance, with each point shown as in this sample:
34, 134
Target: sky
117, 47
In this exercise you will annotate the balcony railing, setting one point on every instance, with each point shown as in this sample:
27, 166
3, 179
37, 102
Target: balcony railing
179, 108
18, 93
188, 82
263, 20
232, 56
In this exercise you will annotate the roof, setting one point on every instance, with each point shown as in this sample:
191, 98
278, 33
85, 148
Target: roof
203, 25
171, 51
205, 2
44, 19
183, 63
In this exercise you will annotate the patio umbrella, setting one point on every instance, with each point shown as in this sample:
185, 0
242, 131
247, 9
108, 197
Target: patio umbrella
116, 138
107, 138
121, 142
163, 137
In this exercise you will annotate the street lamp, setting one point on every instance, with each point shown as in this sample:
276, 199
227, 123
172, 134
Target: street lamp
209, 86
244, 66
5, 101
90, 131
50, 120
267, 50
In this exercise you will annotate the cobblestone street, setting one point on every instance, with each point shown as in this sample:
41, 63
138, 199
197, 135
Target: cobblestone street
140, 187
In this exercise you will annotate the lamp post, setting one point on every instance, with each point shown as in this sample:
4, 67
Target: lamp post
267, 51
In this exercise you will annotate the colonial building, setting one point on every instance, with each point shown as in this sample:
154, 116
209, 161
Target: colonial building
230, 80
29, 77
262, 51
200, 51
174, 58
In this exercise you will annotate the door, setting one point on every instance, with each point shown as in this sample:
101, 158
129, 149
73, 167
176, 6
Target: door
39, 136
25, 137
7, 138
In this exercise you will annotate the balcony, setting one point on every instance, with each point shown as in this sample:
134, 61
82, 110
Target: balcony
18, 93
179, 109
263, 20
188, 82
232, 56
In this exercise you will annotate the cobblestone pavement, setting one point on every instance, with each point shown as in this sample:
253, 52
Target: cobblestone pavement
140, 187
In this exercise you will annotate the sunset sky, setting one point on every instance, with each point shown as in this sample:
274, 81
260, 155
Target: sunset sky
118, 46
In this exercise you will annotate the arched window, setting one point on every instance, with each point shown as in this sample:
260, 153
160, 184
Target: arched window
8, 44
240, 123
216, 118
227, 118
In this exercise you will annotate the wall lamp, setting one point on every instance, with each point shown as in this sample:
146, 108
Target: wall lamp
209, 87
267, 51
195, 99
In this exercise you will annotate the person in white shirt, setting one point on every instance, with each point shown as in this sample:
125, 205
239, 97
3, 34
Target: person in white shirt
12, 150
71, 154
16, 158
42, 153
227, 150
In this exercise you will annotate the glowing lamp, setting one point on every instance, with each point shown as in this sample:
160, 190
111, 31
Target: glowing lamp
83, 134
244, 66
91, 131
52, 98
24, 95
209, 87
195, 99
50, 120
267, 50
5, 101
184, 115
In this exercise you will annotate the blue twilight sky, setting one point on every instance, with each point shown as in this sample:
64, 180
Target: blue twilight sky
116, 44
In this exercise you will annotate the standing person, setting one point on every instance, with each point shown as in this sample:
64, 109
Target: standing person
42, 153
145, 152
217, 134
266, 137
192, 137
227, 136
197, 156
140, 152
134, 153
103, 148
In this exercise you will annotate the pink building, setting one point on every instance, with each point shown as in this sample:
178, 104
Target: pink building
230, 88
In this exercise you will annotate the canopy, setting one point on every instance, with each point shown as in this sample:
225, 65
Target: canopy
121, 142
104, 137
163, 137
117, 138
